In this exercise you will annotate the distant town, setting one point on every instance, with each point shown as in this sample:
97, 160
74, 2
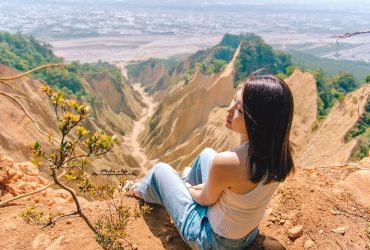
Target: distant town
282, 26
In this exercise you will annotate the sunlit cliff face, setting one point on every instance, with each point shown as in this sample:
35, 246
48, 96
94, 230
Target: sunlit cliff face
234, 119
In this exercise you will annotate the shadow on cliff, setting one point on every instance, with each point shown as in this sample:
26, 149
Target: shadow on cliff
161, 226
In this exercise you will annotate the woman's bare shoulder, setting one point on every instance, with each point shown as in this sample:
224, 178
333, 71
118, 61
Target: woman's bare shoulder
232, 163
232, 158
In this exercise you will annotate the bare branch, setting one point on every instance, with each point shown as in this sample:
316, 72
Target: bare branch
79, 209
346, 35
17, 90
64, 216
6, 79
27, 114
352, 34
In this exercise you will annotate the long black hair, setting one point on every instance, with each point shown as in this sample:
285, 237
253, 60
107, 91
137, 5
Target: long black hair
268, 113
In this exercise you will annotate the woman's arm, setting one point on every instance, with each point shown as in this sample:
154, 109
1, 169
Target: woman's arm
196, 195
218, 180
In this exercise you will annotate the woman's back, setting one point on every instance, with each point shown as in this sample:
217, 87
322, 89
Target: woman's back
242, 205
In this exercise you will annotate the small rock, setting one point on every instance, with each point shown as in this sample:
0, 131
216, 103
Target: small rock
68, 222
61, 193
333, 212
12, 172
273, 218
32, 185
339, 230
57, 244
41, 240
295, 232
9, 225
313, 175
321, 231
268, 211
21, 185
309, 244
58, 200
291, 215
134, 247
282, 221
50, 203
66, 241
19, 175
272, 244
169, 238
288, 224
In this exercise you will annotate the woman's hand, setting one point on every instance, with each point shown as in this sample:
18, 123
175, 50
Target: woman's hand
196, 187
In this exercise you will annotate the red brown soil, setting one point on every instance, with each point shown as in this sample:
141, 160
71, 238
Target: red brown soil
312, 198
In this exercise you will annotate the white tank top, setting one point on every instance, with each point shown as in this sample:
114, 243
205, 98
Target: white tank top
233, 216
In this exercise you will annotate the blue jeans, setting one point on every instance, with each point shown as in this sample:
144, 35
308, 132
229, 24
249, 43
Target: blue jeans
163, 185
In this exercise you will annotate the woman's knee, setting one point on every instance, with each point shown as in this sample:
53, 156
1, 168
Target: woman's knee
162, 168
207, 152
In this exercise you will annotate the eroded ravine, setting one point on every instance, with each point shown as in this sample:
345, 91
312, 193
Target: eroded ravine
132, 139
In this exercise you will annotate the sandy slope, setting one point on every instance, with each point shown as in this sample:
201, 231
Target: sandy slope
326, 146
178, 134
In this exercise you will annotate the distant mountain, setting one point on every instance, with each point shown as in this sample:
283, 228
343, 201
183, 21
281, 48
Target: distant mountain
159, 74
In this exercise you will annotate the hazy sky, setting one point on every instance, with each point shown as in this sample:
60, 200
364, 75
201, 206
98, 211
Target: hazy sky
220, 2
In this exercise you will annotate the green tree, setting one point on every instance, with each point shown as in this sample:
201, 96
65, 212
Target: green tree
344, 82
255, 54
367, 79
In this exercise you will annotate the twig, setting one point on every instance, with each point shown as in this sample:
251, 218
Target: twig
346, 213
17, 90
6, 79
27, 114
63, 216
129, 242
352, 34
340, 245
346, 35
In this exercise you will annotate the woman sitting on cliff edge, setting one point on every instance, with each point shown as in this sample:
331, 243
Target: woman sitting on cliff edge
223, 198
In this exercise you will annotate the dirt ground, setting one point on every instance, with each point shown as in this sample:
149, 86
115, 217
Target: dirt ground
315, 198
